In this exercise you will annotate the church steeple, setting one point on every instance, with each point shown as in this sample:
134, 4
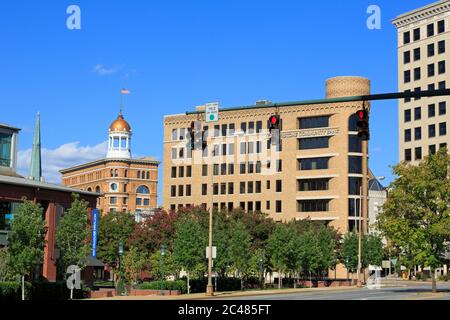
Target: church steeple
36, 168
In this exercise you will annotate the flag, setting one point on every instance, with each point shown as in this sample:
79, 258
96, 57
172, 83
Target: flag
125, 91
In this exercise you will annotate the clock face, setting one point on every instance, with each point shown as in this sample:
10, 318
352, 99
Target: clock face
113, 186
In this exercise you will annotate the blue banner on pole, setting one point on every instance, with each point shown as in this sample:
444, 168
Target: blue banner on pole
94, 232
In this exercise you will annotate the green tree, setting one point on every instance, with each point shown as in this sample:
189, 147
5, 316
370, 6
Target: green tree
349, 251
72, 234
309, 252
134, 261
281, 249
26, 240
6, 271
240, 250
221, 239
162, 265
189, 246
113, 228
373, 251
416, 216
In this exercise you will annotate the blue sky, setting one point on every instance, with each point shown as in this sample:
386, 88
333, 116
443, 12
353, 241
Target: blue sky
174, 55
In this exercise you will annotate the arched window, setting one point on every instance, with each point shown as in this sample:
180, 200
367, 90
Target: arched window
89, 189
352, 123
142, 190
98, 190
138, 174
116, 173
148, 175
112, 173
126, 174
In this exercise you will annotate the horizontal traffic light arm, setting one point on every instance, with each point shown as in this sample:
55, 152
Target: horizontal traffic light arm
371, 97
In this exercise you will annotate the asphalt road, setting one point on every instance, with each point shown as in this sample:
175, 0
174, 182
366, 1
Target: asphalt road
405, 292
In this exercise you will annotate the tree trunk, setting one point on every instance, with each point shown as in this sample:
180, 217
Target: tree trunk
23, 288
188, 287
242, 284
433, 281
310, 279
280, 280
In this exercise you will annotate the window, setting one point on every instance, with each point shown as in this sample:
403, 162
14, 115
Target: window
431, 87
231, 168
231, 129
278, 186
146, 202
242, 187
313, 184
407, 115
182, 134
417, 74
242, 168
258, 206
406, 57
231, 149
243, 148
355, 164
258, 126
406, 37
258, 187
430, 30
250, 187
188, 190
244, 127
431, 70
216, 130
268, 184
139, 201
173, 191
189, 171
430, 50
407, 154
407, 99
204, 170
258, 147
278, 207
313, 205
313, 122
215, 189
442, 108
313, 143
216, 169
418, 133
114, 187
242, 205
267, 205
181, 172
431, 131
249, 206
407, 135
251, 127
5, 149
113, 200
181, 191
251, 147
441, 26
441, 67
417, 90
354, 185
441, 47
416, 34
431, 110
224, 149
204, 189
416, 54
223, 188
441, 85
418, 153
442, 128
407, 76
251, 167
223, 169
314, 163
125, 187
230, 188
442, 145
216, 150
432, 149
279, 165
353, 207
181, 153
224, 130
258, 167
354, 143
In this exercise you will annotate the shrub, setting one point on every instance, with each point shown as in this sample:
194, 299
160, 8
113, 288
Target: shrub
444, 277
13, 290
165, 285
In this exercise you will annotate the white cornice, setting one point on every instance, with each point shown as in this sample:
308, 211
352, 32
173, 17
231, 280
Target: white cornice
422, 13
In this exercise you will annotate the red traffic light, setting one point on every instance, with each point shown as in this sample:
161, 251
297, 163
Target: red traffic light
361, 114
274, 120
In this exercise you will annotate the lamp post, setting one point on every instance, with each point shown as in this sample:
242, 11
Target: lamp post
119, 285
163, 253
260, 272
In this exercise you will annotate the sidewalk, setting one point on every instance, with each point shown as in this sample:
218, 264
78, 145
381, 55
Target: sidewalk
230, 294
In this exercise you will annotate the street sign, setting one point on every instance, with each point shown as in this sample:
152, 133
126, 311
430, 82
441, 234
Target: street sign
394, 261
212, 112
214, 252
